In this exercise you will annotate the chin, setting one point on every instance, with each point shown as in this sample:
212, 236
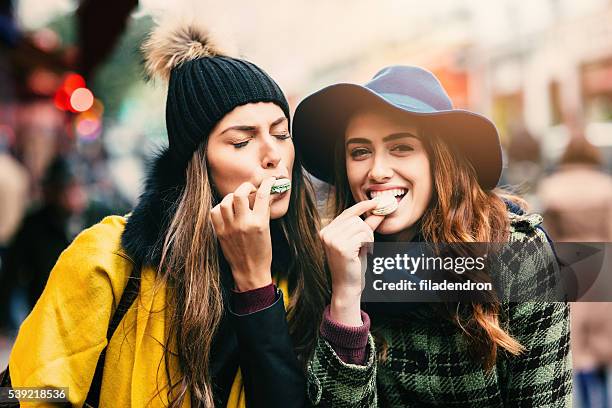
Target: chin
394, 225
279, 209
390, 226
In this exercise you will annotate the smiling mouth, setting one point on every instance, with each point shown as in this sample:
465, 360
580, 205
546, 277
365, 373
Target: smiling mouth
399, 193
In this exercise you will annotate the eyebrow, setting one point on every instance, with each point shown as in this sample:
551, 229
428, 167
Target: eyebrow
244, 128
393, 136
279, 121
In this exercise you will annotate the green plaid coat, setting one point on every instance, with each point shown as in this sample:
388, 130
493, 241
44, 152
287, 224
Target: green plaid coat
428, 363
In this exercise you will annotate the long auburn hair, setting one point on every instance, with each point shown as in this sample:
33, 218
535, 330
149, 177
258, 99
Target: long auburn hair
192, 266
460, 211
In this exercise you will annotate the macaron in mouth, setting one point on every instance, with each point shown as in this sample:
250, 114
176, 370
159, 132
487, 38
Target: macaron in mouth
280, 186
387, 203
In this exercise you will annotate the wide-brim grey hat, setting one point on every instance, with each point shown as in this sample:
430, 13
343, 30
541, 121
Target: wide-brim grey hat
321, 118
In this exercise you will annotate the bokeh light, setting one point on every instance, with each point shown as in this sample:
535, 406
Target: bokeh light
81, 99
88, 126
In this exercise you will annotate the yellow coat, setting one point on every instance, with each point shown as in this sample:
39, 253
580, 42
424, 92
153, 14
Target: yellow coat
59, 343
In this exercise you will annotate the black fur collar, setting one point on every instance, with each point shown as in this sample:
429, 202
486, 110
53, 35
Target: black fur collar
146, 227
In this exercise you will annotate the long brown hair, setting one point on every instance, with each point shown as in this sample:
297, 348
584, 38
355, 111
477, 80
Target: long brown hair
460, 211
192, 266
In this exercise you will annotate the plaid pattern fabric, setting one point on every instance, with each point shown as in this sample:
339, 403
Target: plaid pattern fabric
333, 383
529, 254
429, 364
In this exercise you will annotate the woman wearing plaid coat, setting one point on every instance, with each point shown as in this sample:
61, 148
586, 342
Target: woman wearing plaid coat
399, 135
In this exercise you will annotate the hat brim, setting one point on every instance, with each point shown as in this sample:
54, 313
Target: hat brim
321, 118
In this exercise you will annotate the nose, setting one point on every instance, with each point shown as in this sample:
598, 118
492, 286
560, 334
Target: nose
380, 172
269, 152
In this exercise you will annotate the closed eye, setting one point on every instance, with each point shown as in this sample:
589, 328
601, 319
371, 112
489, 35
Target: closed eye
240, 144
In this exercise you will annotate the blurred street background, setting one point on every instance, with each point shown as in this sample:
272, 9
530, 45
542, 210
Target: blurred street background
78, 120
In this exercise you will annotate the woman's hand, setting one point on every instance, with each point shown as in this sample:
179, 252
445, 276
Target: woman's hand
343, 240
244, 234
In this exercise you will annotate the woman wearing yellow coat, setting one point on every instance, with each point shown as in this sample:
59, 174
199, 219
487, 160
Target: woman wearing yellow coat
208, 236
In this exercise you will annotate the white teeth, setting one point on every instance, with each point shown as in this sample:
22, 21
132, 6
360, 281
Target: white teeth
394, 192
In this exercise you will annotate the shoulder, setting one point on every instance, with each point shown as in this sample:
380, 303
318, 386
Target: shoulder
103, 236
527, 237
95, 257
529, 263
525, 227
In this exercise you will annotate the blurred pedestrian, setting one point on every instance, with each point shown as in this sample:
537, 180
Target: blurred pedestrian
524, 162
14, 184
577, 203
13, 193
577, 198
42, 236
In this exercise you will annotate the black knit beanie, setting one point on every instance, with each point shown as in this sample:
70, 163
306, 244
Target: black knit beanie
204, 84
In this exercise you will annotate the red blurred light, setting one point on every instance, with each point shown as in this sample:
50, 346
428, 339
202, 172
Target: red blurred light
73, 82
43, 82
81, 99
62, 100
63, 95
